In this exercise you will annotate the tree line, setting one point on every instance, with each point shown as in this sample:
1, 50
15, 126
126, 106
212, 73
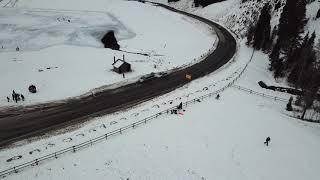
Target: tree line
293, 53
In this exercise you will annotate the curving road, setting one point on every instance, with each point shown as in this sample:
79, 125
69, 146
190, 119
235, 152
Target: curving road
17, 124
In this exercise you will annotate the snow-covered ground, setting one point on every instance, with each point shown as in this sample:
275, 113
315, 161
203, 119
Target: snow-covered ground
212, 139
33, 30
66, 59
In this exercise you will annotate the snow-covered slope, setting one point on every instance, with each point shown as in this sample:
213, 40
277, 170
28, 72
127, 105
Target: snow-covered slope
213, 139
238, 16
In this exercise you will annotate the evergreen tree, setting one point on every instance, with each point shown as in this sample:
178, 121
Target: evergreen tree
278, 68
296, 53
274, 33
310, 90
291, 25
274, 56
262, 31
306, 57
250, 34
309, 56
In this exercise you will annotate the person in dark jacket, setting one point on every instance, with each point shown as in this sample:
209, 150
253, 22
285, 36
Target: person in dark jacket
218, 96
22, 97
13, 95
8, 98
267, 141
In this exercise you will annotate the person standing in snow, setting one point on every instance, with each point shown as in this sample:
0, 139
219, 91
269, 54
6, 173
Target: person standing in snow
218, 96
13, 95
8, 98
267, 141
22, 97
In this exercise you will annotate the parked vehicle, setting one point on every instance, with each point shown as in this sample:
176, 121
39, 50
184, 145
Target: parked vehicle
161, 74
147, 77
152, 76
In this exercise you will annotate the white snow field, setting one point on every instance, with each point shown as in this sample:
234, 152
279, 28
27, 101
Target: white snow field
66, 59
32, 30
212, 139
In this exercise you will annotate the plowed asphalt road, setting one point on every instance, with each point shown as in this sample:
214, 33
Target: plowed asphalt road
20, 123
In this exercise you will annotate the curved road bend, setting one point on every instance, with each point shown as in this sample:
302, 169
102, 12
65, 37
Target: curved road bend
20, 123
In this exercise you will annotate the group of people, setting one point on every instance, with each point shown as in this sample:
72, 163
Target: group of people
63, 19
175, 111
16, 97
17, 48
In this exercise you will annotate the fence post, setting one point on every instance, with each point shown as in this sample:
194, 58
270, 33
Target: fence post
55, 155
120, 131
145, 121
74, 148
37, 162
133, 125
106, 136
16, 171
